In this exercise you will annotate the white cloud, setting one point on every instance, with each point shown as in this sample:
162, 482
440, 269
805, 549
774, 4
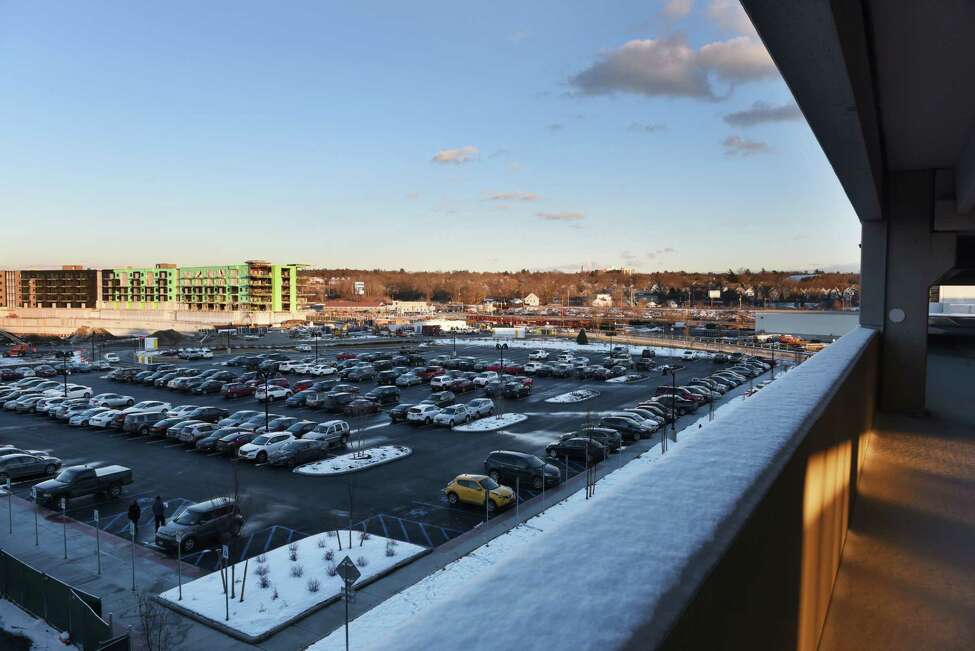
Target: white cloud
736, 145
457, 156
761, 112
729, 15
561, 216
676, 9
671, 67
514, 196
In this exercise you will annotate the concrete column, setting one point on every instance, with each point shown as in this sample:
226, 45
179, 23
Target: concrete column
915, 259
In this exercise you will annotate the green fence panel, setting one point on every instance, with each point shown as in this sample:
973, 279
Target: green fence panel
120, 643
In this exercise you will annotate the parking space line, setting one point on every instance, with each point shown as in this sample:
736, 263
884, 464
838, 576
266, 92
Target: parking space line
403, 527
270, 534
383, 523
423, 530
291, 534
156, 441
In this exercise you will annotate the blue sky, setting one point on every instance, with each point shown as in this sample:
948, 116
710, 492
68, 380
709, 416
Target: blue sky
431, 135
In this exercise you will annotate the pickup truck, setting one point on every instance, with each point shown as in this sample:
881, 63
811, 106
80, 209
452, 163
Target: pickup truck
76, 481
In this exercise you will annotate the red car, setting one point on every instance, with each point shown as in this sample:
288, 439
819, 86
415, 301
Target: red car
429, 372
237, 390
527, 381
461, 385
361, 406
302, 385
342, 356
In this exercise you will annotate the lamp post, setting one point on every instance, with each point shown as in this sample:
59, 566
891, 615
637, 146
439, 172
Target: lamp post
316, 346
265, 375
64, 371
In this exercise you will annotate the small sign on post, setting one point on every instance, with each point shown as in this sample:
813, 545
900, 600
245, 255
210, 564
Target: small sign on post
350, 574
132, 533
179, 564
98, 544
64, 525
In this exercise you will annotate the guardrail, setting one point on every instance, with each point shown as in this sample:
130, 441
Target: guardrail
63, 607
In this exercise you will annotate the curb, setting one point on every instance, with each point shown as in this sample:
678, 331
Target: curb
495, 429
349, 472
277, 628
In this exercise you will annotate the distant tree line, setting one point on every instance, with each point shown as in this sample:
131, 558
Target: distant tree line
470, 287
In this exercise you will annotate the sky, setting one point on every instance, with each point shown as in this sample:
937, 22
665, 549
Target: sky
426, 136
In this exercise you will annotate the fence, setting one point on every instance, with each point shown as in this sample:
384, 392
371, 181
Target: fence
61, 606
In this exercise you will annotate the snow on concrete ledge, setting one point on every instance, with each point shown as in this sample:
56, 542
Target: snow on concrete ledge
567, 345
491, 423
579, 395
287, 597
660, 524
355, 461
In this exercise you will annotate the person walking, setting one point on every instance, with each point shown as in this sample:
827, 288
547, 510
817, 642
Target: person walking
159, 512
134, 514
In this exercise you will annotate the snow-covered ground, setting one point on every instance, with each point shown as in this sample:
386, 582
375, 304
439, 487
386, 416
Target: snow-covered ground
355, 461
683, 508
628, 378
42, 637
491, 423
579, 395
566, 345
287, 596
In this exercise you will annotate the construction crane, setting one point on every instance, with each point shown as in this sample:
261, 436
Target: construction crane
18, 347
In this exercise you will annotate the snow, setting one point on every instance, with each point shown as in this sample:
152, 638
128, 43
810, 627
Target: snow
355, 461
261, 612
579, 395
491, 423
628, 378
660, 522
567, 346
42, 637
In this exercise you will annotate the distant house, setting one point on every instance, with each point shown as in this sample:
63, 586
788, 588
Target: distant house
409, 307
603, 300
531, 300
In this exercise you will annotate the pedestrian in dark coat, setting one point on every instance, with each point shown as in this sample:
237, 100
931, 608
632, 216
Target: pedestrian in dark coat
159, 512
134, 514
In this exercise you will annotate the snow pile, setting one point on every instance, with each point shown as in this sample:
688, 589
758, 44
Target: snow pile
491, 423
629, 377
18, 623
668, 519
578, 395
567, 346
277, 591
355, 461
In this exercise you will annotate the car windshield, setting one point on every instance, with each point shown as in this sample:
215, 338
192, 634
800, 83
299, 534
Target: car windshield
489, 483
260, 440
534, 462
68, 475
188, 518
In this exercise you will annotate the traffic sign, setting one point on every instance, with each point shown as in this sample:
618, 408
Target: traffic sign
96, 516
226, 552
348, 571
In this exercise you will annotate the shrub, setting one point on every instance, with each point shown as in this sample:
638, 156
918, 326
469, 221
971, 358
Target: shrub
275, 595
364, 536
389, 548
329, 555
261, 558
262, 570
331, 570
264, 582
362, 561
313, 585
322, 543
582, 339
293, 551
297, 571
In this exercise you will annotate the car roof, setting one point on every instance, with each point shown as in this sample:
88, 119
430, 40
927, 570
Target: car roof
470, 477
211, 504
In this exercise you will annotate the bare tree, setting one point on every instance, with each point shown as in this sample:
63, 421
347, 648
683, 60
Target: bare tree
159, 624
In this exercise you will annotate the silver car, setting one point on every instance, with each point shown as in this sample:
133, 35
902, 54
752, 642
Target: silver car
480, 407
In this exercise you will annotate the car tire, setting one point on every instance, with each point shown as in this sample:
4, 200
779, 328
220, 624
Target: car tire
143, 431
4, 477
537, 483
344, 441
261, 457
49, 470
188, 544
452, 498
235, 529
495, 476
427, 421
129, 402
491, 506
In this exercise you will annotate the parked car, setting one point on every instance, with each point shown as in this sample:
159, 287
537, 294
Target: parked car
237, 390
480, 407
384, 395
238, 417
453, 415
398, 413
610, 438
483, 379
422, 413
461, 385
301, 427
478, 490
147, 405
509, 468
214, 520
190, 434
272, 393
579, 449
103, 420
230, 442
112, 357
84, 418
441, 398
259, 448
24, 466
208, 414
78, 481
336, 402
113, 400
209, 442
297, 452
515, 390
252, 423
279, 424
141, 423
538, 355
332, 433
161, 427
408, 380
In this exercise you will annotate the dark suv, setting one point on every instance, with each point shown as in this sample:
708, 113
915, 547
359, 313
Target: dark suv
211, 521
509, 468
386, 395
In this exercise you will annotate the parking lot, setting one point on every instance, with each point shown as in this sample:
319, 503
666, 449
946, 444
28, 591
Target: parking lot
401, 500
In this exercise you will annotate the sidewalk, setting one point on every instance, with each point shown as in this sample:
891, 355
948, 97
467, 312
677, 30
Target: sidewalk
153, 572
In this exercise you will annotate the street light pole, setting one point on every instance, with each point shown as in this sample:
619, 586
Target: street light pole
64, 371
316, 347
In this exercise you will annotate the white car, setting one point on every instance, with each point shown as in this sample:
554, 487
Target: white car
321, 370
532, 367
74, 391
422, 413
538, 355
566, 357
303, 348
103, 419
441, 381
180, 410
147, 406
480, 407
687, 355
482, 379
112, 400
288, 366
257, 449
112, 357
452, 415
273, 393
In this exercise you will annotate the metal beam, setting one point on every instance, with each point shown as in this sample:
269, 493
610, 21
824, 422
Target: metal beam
965, 176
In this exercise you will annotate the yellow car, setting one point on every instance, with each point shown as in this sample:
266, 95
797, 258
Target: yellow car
472, 489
